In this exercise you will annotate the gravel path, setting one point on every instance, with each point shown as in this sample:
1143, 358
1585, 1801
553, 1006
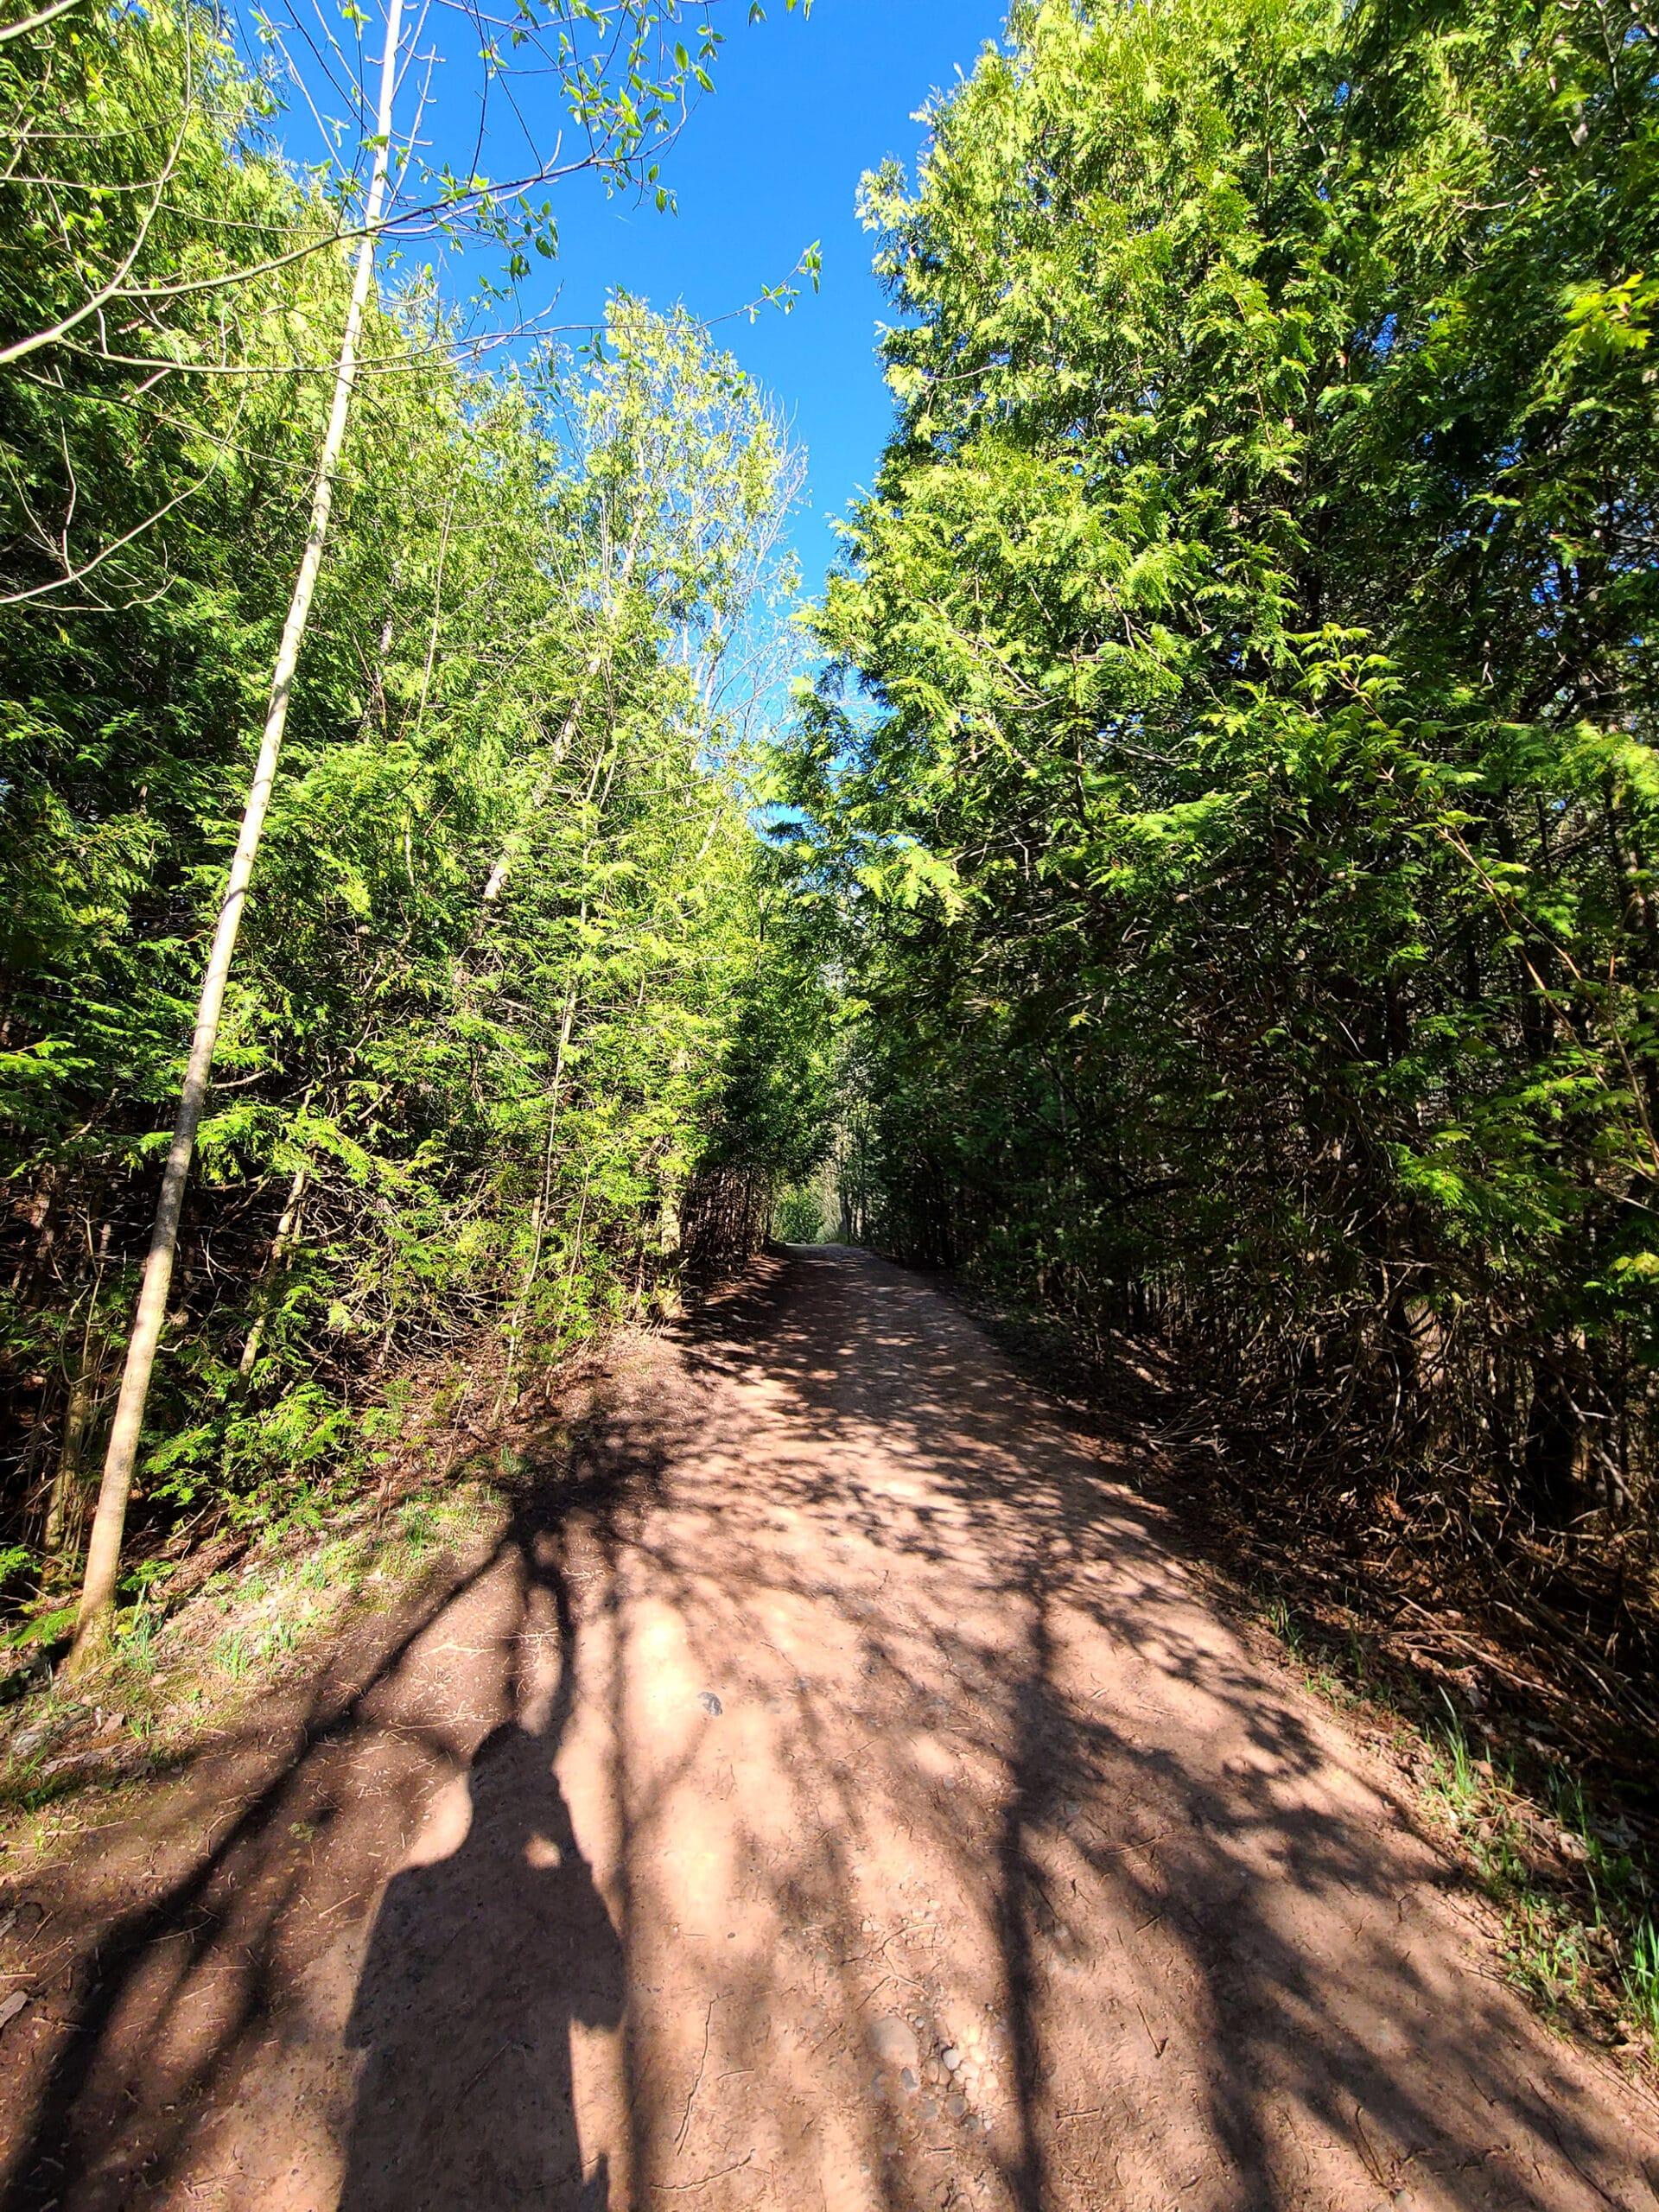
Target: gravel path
835, 1795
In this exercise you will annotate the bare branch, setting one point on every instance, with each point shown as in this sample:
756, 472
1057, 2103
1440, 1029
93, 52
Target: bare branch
37, 21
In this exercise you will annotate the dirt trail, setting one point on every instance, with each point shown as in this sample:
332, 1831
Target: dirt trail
838, 1797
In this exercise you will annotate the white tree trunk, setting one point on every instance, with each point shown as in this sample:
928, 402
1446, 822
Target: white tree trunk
97, 1612
279, 1244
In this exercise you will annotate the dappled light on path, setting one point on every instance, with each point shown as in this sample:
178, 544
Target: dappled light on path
830, 1791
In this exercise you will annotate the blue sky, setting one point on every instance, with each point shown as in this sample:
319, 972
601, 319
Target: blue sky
768, 163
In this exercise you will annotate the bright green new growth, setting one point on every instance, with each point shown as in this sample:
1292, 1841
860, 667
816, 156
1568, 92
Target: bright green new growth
1248, 856
511, 964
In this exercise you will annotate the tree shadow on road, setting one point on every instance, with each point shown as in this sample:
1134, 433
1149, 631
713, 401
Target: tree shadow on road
1216, 1944
897, 1574
208, 1934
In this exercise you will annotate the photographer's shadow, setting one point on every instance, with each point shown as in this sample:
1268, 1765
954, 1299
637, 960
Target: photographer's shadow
479, 1966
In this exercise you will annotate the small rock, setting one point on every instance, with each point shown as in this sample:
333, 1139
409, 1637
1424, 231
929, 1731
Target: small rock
930, 2110
894, 2041
950, 2059
710, 1704
955, 2107
908, 2082
13, 2005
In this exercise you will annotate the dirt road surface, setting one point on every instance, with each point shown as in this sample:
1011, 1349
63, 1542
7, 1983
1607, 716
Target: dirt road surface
835, 1796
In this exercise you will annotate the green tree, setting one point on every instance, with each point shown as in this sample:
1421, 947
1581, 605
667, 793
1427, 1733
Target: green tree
1248, 836
508, 898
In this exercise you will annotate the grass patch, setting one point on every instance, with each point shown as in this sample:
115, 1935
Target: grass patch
170, 1679
1569, 1879
1642, 1979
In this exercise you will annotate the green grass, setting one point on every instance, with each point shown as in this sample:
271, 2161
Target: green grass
170, 1675
135, 1652
418, 1525
1642, 1979
1553, 1948
1285, 1626
1583, 1940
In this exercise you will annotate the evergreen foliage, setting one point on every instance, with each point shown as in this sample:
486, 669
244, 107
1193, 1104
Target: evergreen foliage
1226, 819
1235, 766
504, 979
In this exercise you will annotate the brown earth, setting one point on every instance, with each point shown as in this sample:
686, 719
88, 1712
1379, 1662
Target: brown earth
831, 1791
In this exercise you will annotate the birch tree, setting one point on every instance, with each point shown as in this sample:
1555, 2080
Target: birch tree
621, 89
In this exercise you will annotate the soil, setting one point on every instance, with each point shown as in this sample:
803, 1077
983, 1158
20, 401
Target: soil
829, 1789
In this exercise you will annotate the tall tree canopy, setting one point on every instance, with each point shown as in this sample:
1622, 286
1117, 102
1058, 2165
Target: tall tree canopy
1236, 761
509, 963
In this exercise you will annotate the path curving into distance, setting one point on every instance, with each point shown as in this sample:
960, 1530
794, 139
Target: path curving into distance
834, 1797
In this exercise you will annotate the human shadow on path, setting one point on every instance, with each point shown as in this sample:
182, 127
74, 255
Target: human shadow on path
196, 1953
480, 1965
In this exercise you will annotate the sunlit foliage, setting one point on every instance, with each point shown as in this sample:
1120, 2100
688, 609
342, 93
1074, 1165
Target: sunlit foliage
1246, 825
505, 972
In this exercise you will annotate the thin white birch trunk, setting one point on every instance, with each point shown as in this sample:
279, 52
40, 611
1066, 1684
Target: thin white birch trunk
64, 1510
539, 796
596, 664
538, 1213
97, 1612
279, 1244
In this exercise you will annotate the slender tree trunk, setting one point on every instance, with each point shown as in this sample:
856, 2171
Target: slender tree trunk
97, 1612
539, 796
279, 1244
437, 610
538, 1217
64, 1506
596, 663
575, 1258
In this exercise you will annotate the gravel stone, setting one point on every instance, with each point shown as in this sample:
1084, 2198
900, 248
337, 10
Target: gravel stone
893, 2040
